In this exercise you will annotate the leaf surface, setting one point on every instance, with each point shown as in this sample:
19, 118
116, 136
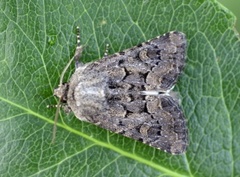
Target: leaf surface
37, 40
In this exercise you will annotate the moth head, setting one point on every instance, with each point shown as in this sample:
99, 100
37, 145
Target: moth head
61, 92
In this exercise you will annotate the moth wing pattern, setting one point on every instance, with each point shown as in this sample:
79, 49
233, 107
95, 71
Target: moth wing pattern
128, 93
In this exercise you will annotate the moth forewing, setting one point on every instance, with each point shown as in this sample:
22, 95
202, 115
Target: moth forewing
130, 92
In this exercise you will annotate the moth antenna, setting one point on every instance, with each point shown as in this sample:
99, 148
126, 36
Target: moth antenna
64, 71
55, 122
77, 55
106, 50
78, 51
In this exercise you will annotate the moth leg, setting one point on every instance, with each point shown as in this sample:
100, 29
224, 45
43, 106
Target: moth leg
78, 51
106, 50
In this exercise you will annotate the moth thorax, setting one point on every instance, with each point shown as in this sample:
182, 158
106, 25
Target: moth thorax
61, 92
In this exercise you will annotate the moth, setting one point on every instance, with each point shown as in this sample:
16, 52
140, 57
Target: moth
130, 92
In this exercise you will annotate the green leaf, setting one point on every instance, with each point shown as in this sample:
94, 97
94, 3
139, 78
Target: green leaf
37, 40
